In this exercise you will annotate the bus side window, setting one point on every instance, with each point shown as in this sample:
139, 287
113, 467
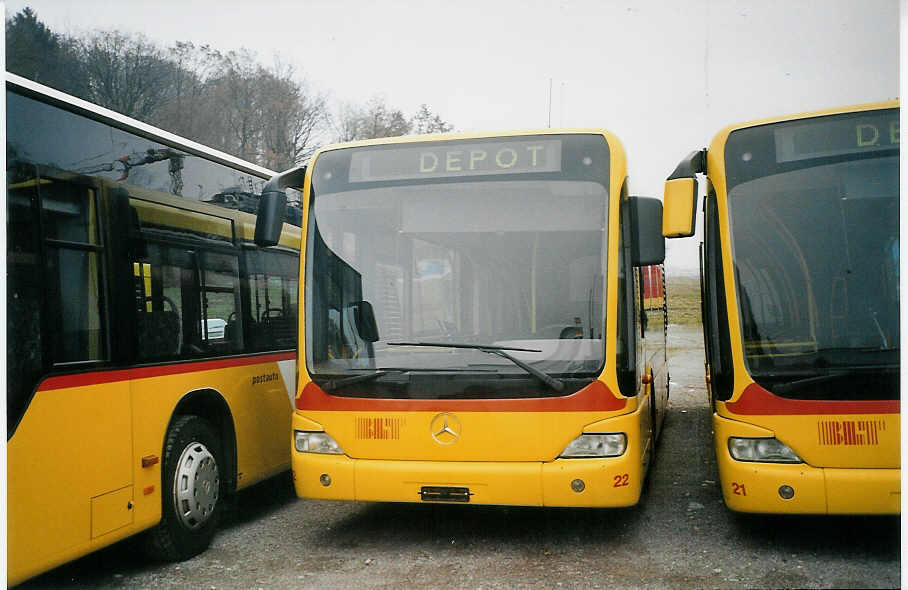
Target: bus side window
159, 301
273, 292
219, 291
715, 314
74, 266
627, 308
25, 358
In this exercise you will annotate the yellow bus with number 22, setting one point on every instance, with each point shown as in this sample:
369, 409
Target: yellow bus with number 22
475, 329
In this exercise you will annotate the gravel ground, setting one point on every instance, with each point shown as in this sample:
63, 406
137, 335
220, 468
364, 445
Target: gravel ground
680, 536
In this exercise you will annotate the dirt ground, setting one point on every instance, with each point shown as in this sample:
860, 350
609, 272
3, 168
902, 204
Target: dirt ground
680, 536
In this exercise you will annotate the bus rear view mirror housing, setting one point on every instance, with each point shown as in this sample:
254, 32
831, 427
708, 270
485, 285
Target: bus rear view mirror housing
270, 216
648, 245
679, 220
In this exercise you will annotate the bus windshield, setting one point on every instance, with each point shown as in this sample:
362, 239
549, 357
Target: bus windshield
816, 254
494, 242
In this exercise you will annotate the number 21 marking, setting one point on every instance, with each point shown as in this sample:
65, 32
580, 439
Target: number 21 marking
738, 489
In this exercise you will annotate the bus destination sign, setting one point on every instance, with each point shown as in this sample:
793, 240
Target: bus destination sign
517, 156
835, 136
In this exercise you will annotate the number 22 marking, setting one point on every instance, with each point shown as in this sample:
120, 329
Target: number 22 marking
621, 480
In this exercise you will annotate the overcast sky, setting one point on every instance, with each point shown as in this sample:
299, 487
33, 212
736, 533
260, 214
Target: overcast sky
664, 76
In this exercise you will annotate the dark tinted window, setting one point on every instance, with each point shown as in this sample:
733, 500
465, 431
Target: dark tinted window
496, 241
65, 172
273, 282
44, 134
814, 215
24, 344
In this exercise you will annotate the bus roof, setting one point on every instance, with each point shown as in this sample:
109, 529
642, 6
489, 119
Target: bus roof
93, 111
612, 138
723, 134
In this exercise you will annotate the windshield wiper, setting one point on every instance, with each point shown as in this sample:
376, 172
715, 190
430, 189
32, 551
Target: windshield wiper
793, 386
333, 384
552, 382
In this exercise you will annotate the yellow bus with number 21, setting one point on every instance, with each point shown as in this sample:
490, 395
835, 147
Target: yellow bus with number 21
800, 274
475, 329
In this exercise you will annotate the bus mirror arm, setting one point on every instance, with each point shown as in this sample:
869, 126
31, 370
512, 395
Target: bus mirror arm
270, 216
689, 167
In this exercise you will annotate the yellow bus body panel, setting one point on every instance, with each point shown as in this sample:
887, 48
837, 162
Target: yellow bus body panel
498, 465
870, 441
76, 485
57, 466
754, 487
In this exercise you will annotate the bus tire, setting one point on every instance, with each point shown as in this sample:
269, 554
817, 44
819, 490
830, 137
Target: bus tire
192, 490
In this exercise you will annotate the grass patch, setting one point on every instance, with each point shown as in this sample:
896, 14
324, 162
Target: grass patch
683, 300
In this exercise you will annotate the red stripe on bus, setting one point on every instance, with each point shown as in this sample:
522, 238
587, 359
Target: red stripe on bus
115, 375
595, 397
757, 401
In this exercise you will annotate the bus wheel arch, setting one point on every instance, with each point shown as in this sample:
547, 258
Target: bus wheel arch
198, 473
210, 404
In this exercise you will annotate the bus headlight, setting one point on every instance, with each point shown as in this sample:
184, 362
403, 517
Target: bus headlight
316, 442
596, 445
766, 450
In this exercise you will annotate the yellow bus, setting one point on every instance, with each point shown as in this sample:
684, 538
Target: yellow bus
800, 299
151, 347
474, 325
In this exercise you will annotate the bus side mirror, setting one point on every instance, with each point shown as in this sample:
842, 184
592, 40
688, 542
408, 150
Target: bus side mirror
364, 320
681, 196
680, 204
270, 218
648, 243
270, 215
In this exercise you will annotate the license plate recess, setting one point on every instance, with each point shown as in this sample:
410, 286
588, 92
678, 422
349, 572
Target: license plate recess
444, 494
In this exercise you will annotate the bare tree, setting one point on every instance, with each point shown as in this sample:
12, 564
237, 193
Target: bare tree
37, 53
375, 119
290, 117
234, 96
346, 122
424, 121
126, 73
186, 110
228, 101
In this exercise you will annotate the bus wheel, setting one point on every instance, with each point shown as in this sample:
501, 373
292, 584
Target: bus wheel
191, 493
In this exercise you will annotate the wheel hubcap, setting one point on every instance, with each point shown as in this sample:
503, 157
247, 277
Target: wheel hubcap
196, 484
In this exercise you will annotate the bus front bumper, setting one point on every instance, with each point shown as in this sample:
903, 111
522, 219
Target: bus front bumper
777, 488
606, 482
